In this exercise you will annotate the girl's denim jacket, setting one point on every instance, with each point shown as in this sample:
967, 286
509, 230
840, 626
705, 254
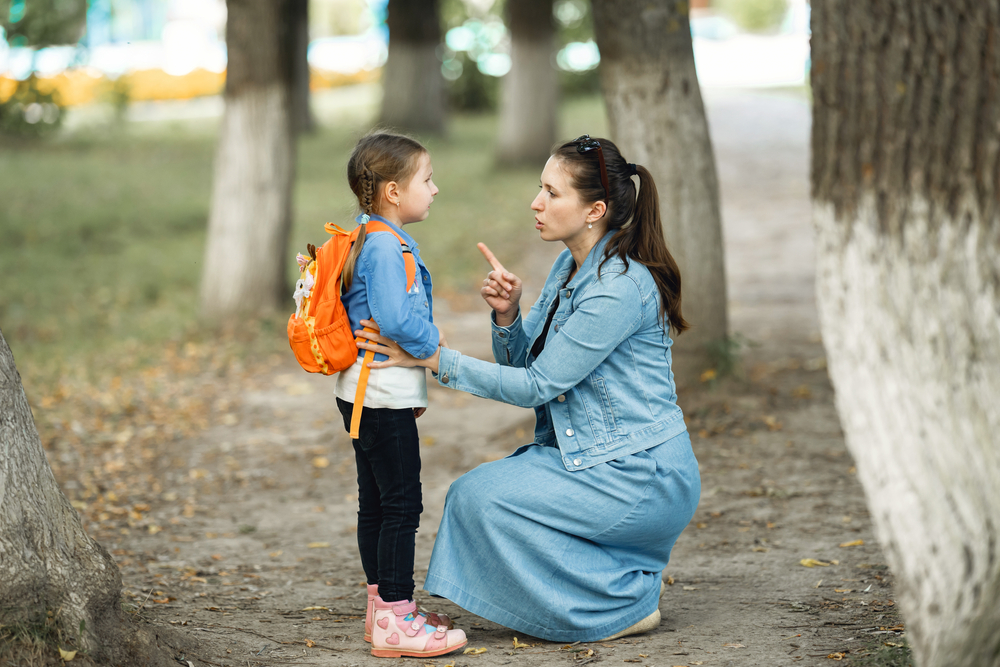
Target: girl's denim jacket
378, 292
602, 387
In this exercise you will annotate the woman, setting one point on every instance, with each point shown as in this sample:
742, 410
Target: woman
567, 537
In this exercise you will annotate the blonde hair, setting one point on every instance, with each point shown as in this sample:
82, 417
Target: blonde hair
377, 159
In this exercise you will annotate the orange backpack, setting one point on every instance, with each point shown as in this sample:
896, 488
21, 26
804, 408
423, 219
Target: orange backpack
319, 331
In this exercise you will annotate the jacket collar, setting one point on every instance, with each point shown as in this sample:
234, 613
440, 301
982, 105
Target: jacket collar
590, 264
394, 227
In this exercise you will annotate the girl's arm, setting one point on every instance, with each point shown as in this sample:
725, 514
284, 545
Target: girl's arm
388, 301
610, 312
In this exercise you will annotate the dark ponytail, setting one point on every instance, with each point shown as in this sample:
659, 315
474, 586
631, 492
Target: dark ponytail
378, 158
634, 219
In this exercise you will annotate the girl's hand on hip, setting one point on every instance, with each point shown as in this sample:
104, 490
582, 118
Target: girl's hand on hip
397, 356
501, 289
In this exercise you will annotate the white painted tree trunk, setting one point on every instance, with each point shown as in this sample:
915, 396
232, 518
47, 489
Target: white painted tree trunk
529, 93
251, 205
906, 152
48, 563
251, 216
658, 120
912, 331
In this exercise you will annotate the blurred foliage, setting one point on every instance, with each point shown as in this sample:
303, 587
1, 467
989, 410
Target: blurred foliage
471, 90
41, 23
754, 15
30, 112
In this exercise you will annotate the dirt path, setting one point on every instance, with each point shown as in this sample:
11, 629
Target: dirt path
257, 561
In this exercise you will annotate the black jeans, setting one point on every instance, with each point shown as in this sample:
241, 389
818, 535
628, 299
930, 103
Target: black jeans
389, 497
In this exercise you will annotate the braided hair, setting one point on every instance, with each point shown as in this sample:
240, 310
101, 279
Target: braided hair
378, 158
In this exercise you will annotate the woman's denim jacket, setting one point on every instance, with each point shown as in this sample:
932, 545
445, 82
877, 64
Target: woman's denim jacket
602, 388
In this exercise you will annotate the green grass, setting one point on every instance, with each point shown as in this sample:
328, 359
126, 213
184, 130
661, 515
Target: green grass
101, 235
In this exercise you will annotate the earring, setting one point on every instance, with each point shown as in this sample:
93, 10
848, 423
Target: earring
590, 225
397, 204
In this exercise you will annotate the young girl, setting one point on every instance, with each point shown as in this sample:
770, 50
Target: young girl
391, 176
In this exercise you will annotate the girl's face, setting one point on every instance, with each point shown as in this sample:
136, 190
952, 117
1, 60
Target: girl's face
560, 214
417, 194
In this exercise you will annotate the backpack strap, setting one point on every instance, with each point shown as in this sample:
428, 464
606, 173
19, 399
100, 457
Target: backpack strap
359, 393
408, 262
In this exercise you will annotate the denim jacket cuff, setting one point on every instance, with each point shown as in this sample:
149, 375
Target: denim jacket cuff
505, 334
448, 364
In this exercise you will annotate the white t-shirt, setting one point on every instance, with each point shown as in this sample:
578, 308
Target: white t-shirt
392, 387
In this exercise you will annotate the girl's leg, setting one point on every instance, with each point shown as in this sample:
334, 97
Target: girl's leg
394, 457
369, 498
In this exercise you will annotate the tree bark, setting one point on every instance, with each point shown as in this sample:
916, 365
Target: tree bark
48, 563
905, 183
530, 91
251, 212
658, 120
414, 99
303, 119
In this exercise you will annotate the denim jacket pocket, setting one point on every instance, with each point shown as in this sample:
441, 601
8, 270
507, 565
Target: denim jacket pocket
607, 408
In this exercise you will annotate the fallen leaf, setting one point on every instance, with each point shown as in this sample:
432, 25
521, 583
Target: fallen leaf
643, 655
812, 562
734, 645
855, 543
216, 556
67, 655
321, 462
473, 651
843, 590
708, 375
315, 609
670, 581
699, 662
275, 554
318, 545
310, 643
690, 588
894, 644
837, 656
518, 644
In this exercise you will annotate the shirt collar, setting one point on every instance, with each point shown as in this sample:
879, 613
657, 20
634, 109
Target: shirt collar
407, 239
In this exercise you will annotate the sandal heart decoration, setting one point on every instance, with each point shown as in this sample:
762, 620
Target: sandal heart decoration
383, 623
393, 640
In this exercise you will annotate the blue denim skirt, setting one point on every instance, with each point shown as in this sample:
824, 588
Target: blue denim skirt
565, 556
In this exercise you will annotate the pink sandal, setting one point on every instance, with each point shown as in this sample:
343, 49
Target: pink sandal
398, 630
432, 618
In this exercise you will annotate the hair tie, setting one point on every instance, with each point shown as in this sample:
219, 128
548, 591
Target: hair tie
631, 169
365, 218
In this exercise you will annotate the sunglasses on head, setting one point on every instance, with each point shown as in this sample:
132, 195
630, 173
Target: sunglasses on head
585, 144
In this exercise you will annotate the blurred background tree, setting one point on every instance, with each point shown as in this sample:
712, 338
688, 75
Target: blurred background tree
413, 86
36, 25
244, 270
529, 91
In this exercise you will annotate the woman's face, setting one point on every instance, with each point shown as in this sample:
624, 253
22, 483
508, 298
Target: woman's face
560, 214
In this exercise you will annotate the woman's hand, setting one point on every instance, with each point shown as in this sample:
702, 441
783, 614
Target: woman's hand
397, 355
501, 289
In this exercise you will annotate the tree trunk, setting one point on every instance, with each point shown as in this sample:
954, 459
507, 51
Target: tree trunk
414, 87
530, 91
658, 120
48, 563
251, 213
302, 114
904, 176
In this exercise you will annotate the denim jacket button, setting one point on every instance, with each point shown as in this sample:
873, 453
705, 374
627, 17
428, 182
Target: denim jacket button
569, 432
501, 334
561, 398
445, 378
577, 462
557, 327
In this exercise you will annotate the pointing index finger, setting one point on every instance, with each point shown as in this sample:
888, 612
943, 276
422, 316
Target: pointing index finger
491, 258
